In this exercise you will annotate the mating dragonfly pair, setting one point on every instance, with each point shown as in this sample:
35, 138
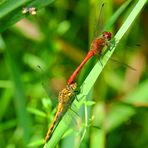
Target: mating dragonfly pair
68, 94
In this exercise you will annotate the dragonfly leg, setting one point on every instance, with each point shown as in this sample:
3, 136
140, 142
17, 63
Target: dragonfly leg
74, 111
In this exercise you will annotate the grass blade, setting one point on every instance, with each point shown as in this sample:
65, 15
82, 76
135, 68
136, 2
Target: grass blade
19, 97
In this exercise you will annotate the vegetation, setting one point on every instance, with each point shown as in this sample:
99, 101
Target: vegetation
39, 53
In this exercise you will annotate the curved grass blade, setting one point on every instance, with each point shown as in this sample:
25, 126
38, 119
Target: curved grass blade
116, 15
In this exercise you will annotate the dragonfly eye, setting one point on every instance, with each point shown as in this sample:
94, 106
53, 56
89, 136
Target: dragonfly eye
107, 35
73, 85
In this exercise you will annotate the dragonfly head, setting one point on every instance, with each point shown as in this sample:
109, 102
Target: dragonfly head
73, 86
107, 35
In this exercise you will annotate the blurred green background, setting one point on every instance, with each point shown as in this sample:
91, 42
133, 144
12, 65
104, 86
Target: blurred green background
37, 56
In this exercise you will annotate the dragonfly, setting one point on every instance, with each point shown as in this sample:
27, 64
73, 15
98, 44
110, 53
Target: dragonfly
65, 99
97, 46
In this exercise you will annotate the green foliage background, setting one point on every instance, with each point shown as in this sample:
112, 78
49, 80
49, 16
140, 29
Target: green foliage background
38, 54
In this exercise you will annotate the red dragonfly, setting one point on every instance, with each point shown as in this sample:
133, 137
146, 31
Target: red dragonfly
65, 98
96, 48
